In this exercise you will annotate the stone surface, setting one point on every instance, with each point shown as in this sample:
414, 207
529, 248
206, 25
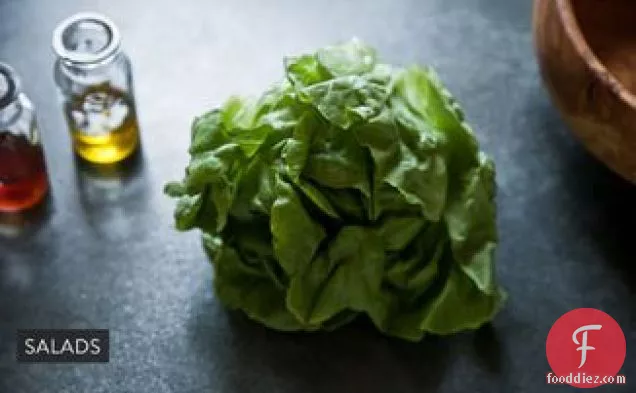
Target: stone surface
103, 254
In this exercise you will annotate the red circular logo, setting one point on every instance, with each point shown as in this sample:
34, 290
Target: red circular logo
585, 348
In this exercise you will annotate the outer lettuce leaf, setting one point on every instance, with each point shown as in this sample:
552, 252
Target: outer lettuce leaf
350, 188
288, 219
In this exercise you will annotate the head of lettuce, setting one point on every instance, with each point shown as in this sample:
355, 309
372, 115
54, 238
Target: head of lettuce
351, 188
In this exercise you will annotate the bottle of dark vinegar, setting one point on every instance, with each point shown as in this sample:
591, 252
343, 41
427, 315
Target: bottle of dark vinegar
23, 178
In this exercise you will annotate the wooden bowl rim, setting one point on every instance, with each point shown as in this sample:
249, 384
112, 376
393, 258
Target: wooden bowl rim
574, 33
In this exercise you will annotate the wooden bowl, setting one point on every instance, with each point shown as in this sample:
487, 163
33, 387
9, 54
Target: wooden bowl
587, 56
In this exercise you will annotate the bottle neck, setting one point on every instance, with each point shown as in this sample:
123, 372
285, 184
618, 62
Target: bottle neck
88, 73
11, 112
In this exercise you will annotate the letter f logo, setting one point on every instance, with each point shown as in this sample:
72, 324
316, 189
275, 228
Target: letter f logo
583, 344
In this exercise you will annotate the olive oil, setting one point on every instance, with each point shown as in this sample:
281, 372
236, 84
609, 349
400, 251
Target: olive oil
103, 124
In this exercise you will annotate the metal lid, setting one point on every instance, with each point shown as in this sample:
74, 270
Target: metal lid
9, 85
86, 38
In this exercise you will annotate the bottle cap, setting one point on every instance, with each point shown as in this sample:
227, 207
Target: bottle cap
86, 38
9, 85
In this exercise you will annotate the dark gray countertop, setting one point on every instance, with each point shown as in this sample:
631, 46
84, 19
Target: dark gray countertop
103, 253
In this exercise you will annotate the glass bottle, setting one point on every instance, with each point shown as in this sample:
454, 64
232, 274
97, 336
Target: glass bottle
94, 79
23, 179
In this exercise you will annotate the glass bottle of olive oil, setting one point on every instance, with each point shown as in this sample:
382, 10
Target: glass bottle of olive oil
94, 77
103, 125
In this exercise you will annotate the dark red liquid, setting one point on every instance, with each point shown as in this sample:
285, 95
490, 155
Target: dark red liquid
23, 180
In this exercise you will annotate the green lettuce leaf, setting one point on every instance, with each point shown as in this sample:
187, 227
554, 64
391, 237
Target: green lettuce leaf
350, 188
